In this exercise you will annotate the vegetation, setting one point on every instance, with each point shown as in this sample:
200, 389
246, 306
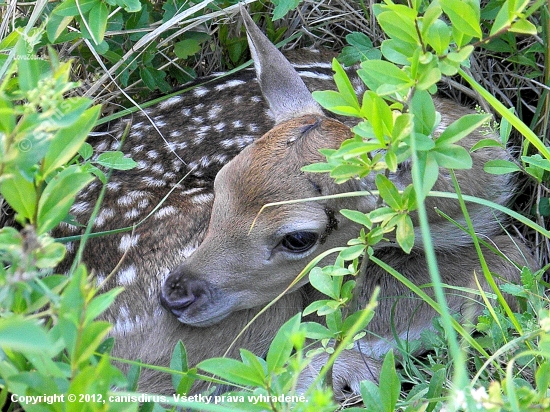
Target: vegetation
51, 340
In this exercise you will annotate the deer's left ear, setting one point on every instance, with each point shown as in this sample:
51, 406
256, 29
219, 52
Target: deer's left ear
282, 87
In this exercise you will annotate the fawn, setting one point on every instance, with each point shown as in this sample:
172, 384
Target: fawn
200, 216
247, 259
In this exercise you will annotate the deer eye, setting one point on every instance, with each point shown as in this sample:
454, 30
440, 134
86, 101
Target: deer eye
299, 242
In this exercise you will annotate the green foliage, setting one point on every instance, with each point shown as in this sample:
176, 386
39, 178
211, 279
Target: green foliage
50, 340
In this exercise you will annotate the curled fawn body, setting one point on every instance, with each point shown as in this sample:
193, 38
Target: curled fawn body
179, 145
237, 268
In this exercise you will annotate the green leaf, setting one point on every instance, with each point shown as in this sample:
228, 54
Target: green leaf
316, 331
537, 160
70, 8
154, 79
100, 304
116, 160
370, 393
452, 157
67, 141
439, 36
187, 47
97, 21
379, 114
464, 15
399, 23
396, 51
500, 167
423, 109
7, 116
315, 306
23, 335
360, 49
357, 217
429, 171
86, 151
322, 282
336, 103
391, 386
281, 347
437, 384
318, 168
58, 197
20, 195
523, 26
255, 362
352, 252
56, 25
91, 337
483, 143
29, 66
344, 85
282, 7
379, 74
231, 370
178, 362
404, 233
389, 192
355, 317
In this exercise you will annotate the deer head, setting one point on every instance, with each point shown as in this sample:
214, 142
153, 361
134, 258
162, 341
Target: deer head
246, 260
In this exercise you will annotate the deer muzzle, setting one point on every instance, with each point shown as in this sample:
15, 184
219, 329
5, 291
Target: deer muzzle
194, 302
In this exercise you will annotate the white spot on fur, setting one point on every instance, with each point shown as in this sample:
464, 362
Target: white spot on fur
80, 207
152, 154
127, 276
314, 75
170, 102
309, 65
230, 83
220, 158
202, 198
157, 168
237, 123
142, 164
166, 211
192, 191
143, 203
138, 148
113, 186
186, 251
152, 182
132, 214
186, 112
104, 216
220, 127
127, 241
239, 141
200, 91
214, 112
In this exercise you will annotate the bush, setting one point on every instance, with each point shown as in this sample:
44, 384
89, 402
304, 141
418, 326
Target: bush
51, 340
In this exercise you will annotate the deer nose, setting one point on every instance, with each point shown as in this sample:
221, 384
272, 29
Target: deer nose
178, 294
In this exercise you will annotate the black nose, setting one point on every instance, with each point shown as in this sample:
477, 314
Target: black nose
179, 292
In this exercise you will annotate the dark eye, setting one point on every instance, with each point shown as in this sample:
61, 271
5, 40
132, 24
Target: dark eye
299, 242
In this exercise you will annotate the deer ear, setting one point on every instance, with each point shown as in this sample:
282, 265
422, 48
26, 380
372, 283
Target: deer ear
282, 87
